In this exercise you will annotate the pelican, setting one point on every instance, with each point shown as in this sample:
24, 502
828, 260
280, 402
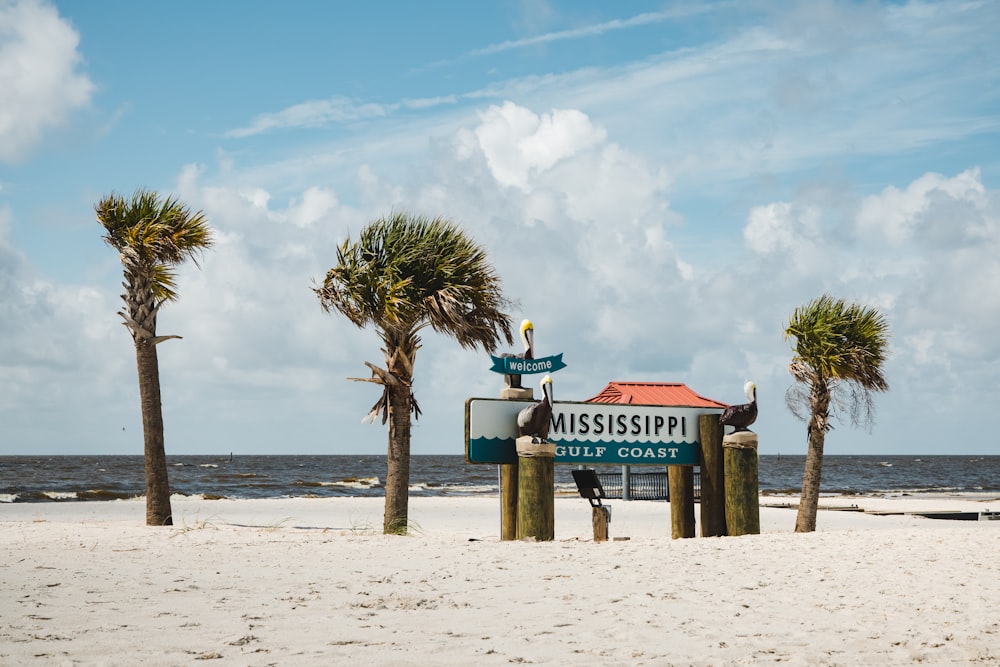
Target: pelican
742, 415
528, 339
534, 419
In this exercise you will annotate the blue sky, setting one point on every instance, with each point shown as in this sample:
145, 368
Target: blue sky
659, 185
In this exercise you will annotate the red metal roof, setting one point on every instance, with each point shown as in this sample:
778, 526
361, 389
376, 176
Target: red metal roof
654, 393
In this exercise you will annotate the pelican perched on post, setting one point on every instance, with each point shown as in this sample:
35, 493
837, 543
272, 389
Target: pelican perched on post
742, 415
534, 419
528, 339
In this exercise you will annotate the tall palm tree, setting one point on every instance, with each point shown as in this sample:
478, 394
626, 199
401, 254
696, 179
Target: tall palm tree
152, 236
840, 349
403, 274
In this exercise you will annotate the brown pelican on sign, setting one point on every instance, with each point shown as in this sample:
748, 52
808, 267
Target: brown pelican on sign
534, 419
742, 415
528, 339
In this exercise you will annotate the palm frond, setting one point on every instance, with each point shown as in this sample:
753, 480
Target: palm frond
408, 272
152, 236
147, 230
164, 282
405, 273
840, 340
837, 342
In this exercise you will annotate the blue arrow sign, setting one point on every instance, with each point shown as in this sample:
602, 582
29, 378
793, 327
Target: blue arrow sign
515, 366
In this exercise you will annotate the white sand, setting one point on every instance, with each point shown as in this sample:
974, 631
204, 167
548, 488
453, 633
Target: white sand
312, 582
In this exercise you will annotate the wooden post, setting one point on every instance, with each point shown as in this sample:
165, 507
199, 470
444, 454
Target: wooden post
742, 500
535, 490
508, 501
601, 517
713, 486
680, 480
509, 475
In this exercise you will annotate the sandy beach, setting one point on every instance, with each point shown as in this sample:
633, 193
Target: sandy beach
313, 582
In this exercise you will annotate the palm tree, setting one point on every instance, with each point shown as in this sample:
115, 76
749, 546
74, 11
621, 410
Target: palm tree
152, 236
840, 349
403, 274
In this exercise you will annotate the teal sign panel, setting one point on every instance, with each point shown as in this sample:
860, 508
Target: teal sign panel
589, 433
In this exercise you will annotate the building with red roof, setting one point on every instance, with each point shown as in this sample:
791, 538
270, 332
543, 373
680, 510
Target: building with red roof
674, 394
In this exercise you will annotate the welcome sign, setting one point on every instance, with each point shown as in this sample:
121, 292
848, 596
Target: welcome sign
518, 366
589, 433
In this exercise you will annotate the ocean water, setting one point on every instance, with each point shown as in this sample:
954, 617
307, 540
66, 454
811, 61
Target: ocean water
96, 478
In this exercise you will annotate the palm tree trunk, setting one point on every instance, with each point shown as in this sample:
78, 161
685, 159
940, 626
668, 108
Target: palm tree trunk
397, 479
158, 511
819, 400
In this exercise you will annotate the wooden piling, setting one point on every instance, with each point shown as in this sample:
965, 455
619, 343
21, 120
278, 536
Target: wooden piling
508, 501
535, 490
742, 495
680, 480
601, 516
509, 474
713, 486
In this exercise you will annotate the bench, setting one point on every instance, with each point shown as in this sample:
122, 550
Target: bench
589, 486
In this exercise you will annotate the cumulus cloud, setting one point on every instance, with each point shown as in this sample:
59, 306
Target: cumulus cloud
934, 210
583, 233
576, 225
576, 206
254, 332
315, 205
787, 122
39, 75
786, 232
56, 352
518, 144
925, 253
946, 230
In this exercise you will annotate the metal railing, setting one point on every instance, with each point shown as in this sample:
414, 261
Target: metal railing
643, 485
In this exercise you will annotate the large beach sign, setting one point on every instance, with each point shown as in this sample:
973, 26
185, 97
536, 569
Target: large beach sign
589, 433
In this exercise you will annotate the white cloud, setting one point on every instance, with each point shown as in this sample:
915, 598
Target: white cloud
571, 184
519, 144
776, 92
316, 113
916, 213
253, 293
56, 346
581, 230
769, 98
316, 204
595, 29
943, 235
581, 243
786, 233
429, 102
927, 253
39, 75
